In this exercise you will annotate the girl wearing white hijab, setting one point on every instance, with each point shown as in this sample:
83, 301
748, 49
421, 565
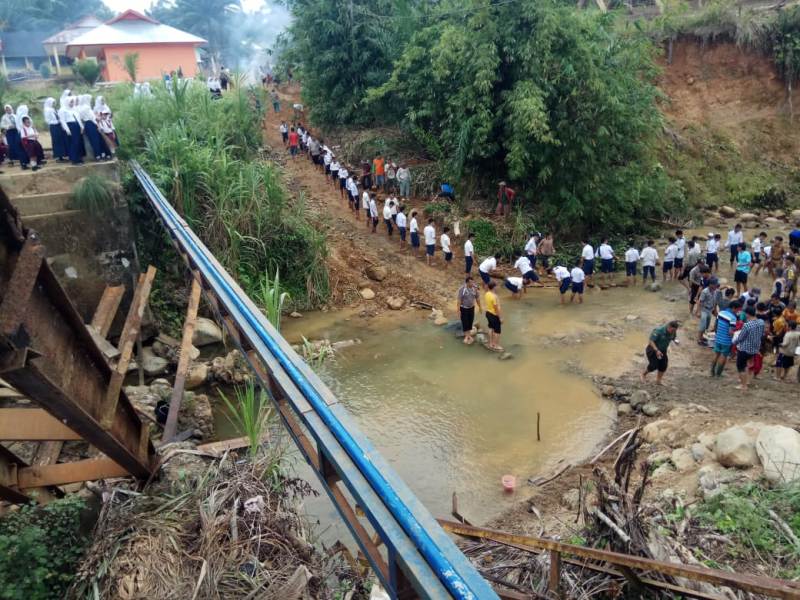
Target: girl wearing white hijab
66, 115
86, 115
58, 131
8, 123
100, 106
30, 141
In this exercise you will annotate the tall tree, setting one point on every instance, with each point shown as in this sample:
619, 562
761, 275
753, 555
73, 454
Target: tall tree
26, 15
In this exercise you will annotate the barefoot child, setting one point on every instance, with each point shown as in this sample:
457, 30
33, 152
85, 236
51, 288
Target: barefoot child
564, 279
469, 254
413, 228
631, 260
649, 261
430, 241
401, 221
494, 317
486, 268
577, 276
444, 242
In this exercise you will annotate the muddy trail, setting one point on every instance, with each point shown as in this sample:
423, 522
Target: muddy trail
352, 247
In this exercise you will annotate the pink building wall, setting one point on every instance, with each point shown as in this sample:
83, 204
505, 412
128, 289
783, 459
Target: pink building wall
154, 60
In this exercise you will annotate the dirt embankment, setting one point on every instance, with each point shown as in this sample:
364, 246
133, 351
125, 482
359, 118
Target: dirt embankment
732, 134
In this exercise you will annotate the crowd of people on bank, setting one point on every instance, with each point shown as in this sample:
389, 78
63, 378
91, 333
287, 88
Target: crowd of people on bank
735, 321
78, 132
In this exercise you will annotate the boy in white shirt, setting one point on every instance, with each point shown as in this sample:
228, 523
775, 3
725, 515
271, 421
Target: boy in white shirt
669, 259
373, 212
352, 194
606, 254
430, 240
712, 251
486, 267
515, 285
365, 206
469, 254
735, 239
631, 260
387, 217
649, 261
564, 279
587, 260
577, 275
531, 249
334, 172
444, 241
343, 175
523, 263
413, 228
400, 220
757, 249
677, 264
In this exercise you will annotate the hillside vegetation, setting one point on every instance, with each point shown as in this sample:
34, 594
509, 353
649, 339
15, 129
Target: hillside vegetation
578, 109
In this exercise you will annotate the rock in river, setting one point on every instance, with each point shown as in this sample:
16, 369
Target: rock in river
206, 332
727, 211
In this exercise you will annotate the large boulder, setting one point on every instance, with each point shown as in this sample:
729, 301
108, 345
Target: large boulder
197, 376
778, 449
735, 447
395, 302
795, 214
376, 272
152, 364
206, 332
748, 216
682, 459
772, 221
639, 398
727, 211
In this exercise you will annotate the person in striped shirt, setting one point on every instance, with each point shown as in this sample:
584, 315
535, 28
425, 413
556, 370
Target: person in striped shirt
726, 324
748, 344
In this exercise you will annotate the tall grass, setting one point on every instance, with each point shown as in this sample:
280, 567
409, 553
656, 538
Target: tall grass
93, 194
203, 154
249, 414
272, 298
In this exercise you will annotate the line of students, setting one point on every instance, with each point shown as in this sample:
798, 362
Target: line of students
73, 126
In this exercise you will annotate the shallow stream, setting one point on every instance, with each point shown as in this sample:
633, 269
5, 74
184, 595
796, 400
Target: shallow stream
451, 418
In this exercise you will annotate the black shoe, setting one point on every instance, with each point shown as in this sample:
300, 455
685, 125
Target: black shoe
36, 168
24, 167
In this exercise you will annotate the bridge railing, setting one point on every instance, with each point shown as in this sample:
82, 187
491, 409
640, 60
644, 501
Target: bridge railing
418, 558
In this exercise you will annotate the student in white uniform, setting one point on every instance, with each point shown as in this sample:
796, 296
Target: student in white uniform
373, 212
486, 267
564, 279
365, 206
413, 228
631, 260
430, 240
469, 254
757, 248
523, 263
606, 254
587, 259
712, 251
401, 222
649, 261
515, 285
735, 239
444, 242
680, 244
669, 259
387, 218
531, 249
578, 276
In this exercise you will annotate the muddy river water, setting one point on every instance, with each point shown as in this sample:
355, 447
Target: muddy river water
451, 418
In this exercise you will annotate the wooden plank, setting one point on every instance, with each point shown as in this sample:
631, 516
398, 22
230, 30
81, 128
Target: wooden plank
19, 289
775, 588
72, 472
184, 360
554, 579
219, 448
32, 424
10, 464
47, 453
130, 333
107, 309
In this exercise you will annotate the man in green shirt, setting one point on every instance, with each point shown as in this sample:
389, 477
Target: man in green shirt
656, 350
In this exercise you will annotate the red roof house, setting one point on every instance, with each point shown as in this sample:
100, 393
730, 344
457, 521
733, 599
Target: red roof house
161, 48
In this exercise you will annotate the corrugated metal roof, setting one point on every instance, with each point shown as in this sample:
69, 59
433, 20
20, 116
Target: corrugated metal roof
131, 32
74, 30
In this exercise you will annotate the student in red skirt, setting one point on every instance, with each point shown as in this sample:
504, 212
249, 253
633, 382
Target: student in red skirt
30, 142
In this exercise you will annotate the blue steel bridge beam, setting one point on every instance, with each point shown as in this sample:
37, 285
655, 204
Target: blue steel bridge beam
418, 549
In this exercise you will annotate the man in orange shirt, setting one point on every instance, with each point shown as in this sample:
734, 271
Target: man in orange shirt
379, 166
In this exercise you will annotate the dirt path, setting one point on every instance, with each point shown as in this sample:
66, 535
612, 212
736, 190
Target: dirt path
351, 245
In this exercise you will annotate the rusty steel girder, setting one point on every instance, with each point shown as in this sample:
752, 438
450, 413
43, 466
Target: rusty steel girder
48, 354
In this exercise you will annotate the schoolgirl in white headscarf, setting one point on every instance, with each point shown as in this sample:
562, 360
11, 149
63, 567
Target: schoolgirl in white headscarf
89, 120
100, 106
58, 131
69, 119
8, 122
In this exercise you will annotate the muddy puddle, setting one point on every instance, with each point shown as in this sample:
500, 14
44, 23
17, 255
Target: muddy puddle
451, 418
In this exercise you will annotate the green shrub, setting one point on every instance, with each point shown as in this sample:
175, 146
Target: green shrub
44, 70
40, 548
88, 70
486, 239
94, 194
437, 208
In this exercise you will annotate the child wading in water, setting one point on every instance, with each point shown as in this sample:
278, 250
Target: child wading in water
493, 317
